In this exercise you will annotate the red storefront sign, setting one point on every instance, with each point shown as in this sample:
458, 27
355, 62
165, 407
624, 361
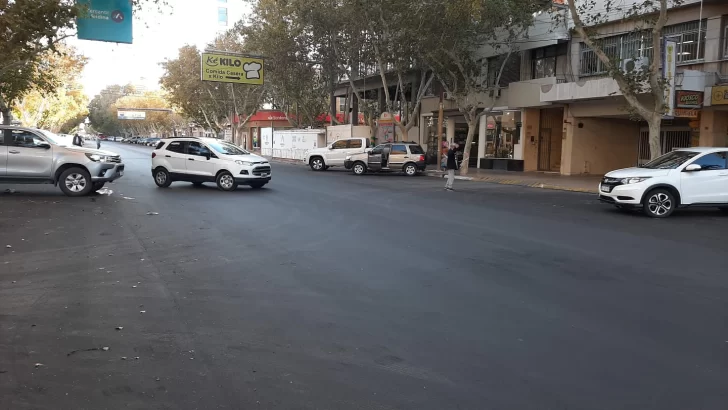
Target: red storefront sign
689, 99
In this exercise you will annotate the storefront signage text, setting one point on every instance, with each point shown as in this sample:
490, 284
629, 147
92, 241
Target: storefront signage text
719, 95
689, 99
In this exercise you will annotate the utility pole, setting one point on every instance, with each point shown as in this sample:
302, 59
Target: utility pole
440, 115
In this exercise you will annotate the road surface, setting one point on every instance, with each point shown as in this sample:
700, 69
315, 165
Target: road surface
331, 291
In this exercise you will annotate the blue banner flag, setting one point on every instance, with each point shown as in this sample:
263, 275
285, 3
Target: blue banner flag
106, 20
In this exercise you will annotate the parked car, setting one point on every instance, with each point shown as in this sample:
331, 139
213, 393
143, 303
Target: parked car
152, 142
200, 160
334, 155
35, 156
407, 157
681, 178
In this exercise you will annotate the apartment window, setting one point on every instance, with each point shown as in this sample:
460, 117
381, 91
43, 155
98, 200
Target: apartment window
543, 60
639, 44
511, 70
222, 16
725, 41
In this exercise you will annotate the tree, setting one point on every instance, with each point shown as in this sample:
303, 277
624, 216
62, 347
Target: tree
103, 118
460, 44
217, 105
28, 30
649, 18
64, 107
296, 84
159, 118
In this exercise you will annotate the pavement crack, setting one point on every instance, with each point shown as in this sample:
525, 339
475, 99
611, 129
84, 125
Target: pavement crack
72, 352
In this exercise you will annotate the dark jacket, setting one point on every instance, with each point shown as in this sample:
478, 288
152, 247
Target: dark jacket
452, 161
77, 140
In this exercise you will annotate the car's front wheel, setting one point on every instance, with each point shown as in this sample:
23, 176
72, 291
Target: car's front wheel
226, 182
359, 168
75, 182
410, 169
162, 178
659, 203
317, 164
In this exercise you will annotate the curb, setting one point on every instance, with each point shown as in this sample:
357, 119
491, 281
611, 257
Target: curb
284, 160
516, 182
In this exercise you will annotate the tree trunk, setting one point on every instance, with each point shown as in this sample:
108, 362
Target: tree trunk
472, 126
6, 116
654, 123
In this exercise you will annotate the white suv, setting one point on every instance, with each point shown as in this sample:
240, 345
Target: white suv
334, 155
684, 177
200, 160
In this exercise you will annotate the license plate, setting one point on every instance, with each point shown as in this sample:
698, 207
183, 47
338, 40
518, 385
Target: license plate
606, 189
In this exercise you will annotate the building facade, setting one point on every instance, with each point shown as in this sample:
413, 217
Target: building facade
557, 110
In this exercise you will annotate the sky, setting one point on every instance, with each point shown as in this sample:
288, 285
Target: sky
157, 36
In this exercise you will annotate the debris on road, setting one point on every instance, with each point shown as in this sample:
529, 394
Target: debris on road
152, 213
93, 349
126, 197
142, 311
9, 191
37, 365
105, 191
119, 327
106, 349
8, 246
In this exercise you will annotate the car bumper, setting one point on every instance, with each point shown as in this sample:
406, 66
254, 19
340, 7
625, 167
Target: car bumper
624, 195
105, 172
254, 180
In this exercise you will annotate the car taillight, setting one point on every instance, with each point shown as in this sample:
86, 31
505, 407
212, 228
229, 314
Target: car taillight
422, 158
154, 154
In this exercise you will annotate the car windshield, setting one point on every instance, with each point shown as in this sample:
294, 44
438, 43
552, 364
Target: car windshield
53, 138
227, 149
670, 160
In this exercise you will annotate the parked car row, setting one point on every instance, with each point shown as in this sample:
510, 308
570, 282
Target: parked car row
148, 141
354, 154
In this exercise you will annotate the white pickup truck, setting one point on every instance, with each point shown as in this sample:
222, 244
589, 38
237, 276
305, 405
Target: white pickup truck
334, 155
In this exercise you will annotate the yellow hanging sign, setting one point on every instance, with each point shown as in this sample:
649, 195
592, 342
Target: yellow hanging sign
225, 68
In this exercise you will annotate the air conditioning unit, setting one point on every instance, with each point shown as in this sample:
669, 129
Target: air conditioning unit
448, 96
494, 93
635, 65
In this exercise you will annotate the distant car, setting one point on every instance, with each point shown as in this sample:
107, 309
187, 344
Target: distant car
681, 178
152, 142
41, 157
407, 157
334, 155
200, 160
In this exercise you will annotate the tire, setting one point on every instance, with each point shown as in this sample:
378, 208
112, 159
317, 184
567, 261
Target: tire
162, 178
317, 164
226, 182
659, 203
98, 185
257, 185
410, 169
359, 168
75, 182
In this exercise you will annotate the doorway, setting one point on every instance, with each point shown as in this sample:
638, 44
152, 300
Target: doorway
549, 139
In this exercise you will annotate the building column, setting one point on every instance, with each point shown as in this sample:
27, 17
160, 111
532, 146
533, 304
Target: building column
713, 128
482, 132
450, 130
531, 118
567, 144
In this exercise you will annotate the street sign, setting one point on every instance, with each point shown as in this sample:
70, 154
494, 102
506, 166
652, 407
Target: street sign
106, 20
225, 68
131, 115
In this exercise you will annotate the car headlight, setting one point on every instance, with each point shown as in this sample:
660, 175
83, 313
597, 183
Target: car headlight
98, 158
634, 180
244, 163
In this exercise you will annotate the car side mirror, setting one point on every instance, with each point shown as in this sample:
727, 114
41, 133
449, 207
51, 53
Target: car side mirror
208, 156
44, 145
331, 147
693, 168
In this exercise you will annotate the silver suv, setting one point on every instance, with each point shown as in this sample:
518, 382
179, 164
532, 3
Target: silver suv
31, 156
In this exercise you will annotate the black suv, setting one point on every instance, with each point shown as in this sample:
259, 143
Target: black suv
407, 157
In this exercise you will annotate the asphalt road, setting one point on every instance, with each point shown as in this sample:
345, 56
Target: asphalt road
331, 291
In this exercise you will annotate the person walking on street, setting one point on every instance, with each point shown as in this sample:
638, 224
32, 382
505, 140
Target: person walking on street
452, 165
98, 143
77, 140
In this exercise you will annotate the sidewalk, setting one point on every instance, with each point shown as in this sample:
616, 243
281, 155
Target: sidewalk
575, 183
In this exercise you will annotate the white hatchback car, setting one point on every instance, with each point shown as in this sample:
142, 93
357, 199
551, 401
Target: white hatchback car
684, 177
200, 160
